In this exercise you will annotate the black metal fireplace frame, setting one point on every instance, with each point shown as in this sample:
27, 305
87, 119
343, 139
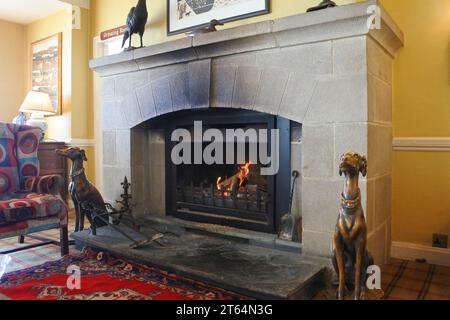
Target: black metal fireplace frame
278, 186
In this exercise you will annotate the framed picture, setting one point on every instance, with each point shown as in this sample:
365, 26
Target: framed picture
185, 15
46, 69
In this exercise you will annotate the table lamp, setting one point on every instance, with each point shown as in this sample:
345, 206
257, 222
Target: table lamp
39, 105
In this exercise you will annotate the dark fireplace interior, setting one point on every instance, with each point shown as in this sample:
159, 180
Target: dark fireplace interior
237, 191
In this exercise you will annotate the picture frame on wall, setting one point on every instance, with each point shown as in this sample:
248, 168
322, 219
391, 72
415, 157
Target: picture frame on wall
186, 15
46, 69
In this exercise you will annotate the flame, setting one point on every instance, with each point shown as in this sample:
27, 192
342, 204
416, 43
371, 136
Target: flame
244, 171
219, 180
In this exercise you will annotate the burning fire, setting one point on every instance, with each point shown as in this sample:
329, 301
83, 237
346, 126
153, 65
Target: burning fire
235, 181
243, 173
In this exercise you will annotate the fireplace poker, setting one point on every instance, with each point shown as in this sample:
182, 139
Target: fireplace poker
288, 221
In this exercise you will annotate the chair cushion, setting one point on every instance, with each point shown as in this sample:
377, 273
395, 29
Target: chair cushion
21, 207
27, 143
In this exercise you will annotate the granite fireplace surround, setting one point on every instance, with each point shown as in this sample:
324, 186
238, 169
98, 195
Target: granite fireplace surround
325, 70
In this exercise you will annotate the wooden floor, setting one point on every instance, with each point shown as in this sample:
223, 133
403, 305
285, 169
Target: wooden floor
408, 280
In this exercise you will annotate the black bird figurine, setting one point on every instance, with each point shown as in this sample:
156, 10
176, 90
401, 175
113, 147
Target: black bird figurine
210, 28
325, 4
136, 21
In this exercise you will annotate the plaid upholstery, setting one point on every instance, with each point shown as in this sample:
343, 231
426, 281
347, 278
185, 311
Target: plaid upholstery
28, 203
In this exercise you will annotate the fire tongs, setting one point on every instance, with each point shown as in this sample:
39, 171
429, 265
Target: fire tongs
99, 213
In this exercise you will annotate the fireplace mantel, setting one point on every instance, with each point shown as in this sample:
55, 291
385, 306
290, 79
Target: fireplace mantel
334, 23
326, 70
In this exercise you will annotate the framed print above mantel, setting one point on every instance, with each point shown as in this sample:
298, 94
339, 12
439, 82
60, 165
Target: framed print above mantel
46, 69
186, 15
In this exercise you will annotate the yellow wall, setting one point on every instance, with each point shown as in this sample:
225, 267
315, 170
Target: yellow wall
421, 196
422, 69
59, 126
421, 182
12, 83
82, 119
75, 121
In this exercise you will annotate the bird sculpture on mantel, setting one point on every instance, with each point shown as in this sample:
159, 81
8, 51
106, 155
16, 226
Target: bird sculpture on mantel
325, 4
136, 21
211, 27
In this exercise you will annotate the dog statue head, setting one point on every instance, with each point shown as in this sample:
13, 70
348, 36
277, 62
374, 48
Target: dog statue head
352, 163
73, 154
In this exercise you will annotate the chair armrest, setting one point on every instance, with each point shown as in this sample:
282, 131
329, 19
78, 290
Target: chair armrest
51, 184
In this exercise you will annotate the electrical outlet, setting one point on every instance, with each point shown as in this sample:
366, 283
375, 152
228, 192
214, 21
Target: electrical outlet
440, 241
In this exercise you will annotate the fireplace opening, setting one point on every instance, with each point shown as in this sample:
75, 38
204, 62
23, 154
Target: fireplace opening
232, 192
235, 189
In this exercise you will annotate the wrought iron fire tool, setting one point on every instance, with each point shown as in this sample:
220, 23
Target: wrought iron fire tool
99, 213
126, 207
288, 220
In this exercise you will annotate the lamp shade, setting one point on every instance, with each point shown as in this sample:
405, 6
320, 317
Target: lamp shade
37, 102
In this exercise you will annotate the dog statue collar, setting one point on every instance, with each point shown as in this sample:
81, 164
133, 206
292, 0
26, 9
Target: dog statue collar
77, 173
351, 204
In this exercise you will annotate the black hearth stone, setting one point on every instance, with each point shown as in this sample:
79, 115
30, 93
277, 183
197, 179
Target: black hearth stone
254, 271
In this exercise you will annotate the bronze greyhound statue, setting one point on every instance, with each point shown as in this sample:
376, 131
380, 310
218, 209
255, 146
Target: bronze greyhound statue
351, 259
81, 190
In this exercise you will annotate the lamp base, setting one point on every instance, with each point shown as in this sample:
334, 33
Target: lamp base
21, 119
38, 120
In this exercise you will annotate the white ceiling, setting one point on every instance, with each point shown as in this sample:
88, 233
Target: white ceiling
27, 11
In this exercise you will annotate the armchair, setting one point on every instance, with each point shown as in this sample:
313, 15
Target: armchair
28, 203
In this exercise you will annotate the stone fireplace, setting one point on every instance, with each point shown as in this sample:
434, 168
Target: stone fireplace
324, 78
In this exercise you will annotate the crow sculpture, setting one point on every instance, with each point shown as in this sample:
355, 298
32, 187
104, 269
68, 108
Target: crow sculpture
136, 21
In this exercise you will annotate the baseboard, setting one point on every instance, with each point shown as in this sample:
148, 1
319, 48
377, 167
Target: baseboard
411, 251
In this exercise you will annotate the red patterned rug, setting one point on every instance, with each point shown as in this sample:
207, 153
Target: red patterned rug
105, 277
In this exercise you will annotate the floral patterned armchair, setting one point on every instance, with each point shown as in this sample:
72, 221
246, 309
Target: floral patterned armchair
28, 203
